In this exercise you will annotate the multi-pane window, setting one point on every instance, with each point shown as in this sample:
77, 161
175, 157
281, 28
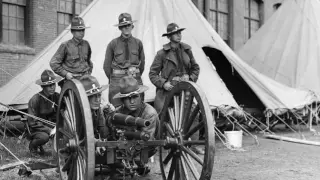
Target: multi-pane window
219, 18
13, 21
252, 18
67, 9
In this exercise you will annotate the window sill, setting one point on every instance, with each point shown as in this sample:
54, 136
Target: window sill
16, 49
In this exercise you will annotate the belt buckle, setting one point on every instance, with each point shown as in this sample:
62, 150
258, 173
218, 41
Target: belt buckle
132, 71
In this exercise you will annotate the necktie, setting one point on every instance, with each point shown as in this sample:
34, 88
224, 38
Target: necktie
126, 48
180, 63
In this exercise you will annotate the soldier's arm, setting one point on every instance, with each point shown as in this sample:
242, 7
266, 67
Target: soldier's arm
89, 59
154, 74
141, 57
33, 109
57, 61
195, 68
108, 60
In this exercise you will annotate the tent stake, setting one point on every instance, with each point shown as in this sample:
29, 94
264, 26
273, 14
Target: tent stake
294, 140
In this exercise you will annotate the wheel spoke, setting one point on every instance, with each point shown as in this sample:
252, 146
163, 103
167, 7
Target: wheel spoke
70, 113
192, 154
195, 142
191, 166
194, 129
72, 104
181, 109
66, 120
168, 158
177, 173
172, 118
184, 168
65, 133
169, 129
187, 107
172, 168
191, 118
176, 110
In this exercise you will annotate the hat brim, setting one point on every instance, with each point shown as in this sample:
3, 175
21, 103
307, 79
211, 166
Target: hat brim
103, 87
126, 23
40, 83
142, 88
172, 32
79, 28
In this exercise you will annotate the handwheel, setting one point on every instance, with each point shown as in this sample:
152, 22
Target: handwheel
74, 134
186, 113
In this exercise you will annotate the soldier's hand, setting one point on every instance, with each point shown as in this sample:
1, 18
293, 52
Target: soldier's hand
167, 86
69, 76
100, 150
185, 77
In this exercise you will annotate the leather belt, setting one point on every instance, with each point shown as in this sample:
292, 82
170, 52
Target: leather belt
130, 71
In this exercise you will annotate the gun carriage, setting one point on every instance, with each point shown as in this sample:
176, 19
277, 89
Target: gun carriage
185, 103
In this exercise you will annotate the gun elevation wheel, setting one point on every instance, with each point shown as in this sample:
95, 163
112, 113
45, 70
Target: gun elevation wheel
75, 137
186, 116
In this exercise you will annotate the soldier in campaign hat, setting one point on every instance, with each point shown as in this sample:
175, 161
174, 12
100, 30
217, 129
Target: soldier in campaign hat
172, 64
43, 105
73, 58
124, 56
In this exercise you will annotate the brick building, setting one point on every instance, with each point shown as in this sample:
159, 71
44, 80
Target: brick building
28, 26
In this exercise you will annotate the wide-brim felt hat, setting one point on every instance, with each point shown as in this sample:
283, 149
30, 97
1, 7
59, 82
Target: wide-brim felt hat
77, 23
129, 86
172, 28
48, 78
125, 19
91, 85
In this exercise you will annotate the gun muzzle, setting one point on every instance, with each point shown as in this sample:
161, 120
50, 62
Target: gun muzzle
128, 120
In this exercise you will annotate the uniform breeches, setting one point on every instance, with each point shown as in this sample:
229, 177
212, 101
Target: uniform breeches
38, 139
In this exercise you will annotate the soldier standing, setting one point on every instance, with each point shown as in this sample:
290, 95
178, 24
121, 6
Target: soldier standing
124, 56
73, 58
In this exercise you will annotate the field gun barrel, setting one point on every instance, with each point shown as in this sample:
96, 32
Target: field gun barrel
128, 120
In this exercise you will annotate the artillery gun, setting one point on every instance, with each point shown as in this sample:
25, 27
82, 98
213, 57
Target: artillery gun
184, 104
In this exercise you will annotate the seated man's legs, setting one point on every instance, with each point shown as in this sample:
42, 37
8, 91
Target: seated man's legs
37, 140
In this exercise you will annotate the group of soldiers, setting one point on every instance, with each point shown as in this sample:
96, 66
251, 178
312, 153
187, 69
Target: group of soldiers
124, 65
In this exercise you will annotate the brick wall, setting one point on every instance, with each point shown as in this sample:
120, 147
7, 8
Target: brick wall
41, 28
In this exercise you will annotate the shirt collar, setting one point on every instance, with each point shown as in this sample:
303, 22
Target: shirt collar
125, 39
76, 42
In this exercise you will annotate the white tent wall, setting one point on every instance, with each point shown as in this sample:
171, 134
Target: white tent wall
153, 17
286, 48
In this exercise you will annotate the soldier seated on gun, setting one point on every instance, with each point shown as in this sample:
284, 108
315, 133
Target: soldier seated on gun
42, 105
132, 105
94, 92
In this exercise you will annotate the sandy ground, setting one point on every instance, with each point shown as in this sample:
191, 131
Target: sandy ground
271, 159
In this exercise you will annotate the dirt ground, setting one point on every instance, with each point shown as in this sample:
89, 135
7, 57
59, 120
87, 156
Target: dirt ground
271, 159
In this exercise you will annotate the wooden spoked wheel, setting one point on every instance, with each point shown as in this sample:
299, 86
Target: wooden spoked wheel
74, 135
185, 115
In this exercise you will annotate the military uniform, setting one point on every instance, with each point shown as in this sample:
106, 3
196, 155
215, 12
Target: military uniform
73, 56
124, 56
167, 66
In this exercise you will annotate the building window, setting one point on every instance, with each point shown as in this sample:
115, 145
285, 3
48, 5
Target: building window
13, 21
252, 18
219, 18
67, 9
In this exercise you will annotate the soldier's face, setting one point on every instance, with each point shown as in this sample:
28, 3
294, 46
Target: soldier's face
132, 103
176, 37
94, 101
126, 30
49, 89
78, 34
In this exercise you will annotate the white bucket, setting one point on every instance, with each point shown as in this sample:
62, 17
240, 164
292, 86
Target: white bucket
234, 138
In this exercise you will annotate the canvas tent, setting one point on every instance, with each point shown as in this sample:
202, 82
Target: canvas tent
286, 48
153, 17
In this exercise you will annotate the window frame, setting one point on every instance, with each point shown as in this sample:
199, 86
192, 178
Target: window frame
74, 2
250, 18
228, 14
25, 24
